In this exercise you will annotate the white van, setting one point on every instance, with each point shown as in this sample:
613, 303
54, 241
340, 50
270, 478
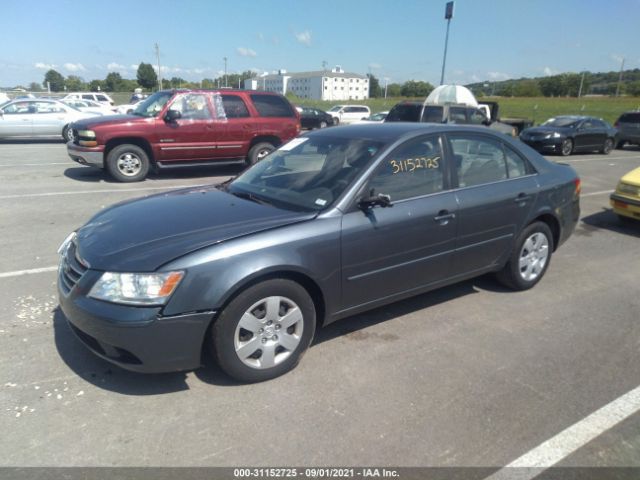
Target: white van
4, 98
348, 113
95, 96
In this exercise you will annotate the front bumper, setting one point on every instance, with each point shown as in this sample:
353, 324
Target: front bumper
625, 206
545, 145
86, 155
134, 338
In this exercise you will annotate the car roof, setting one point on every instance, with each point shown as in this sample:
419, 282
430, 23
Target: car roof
218, 90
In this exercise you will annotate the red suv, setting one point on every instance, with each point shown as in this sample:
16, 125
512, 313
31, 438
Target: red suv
185, 127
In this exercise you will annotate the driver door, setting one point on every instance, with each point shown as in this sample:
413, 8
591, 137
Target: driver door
389, 251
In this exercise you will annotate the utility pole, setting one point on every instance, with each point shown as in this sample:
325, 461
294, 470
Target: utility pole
620, 78
581, 84
159, 71
225, 71
448, 15
386, 84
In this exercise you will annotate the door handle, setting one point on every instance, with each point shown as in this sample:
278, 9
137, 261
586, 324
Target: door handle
444, 216
522, 198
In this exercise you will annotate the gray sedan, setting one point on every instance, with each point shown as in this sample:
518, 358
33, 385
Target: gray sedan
333, 223
32, 118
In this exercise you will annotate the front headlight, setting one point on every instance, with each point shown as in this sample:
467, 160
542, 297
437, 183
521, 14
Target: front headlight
62, 249
87, 133
552, 135
136, 288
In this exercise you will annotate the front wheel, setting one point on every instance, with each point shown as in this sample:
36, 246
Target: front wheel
566, 147
128, 163
67, 133
530, 258
607, 146
259, 151
263, 332
323, 124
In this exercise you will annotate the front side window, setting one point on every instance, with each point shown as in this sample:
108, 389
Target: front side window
458, 115
19, 108
87, 97
47, 107
432, 114
308, 173
192, 106
412, 170
476, 117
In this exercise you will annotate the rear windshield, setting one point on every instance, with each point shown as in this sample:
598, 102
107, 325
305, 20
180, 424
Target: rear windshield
272, 106
630, 117
404, 112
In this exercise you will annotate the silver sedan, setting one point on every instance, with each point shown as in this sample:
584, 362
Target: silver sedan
33, 117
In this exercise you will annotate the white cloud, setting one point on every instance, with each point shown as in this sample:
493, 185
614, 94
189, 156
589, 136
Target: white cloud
617, 57
260, 36
134, 67
375, 66
549, 71
246, 52
115, 66
304, 38
498, 75
44, 66
74, 67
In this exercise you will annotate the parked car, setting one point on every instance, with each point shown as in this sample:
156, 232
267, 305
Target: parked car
567, 134
4, 98
628, 125
127, 108
348, 113
89, 106
335, 222
374, 118
95, 96
626, 199
461, 114
311, 118
38, 118
186, 127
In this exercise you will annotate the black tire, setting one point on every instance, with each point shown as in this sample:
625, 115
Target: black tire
513, 275
323, 124
128, 163
566, 147
229, 338
336, 121
259, 151
608, 146
67, 133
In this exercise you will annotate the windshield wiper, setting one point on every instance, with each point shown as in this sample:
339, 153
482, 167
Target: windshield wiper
252, 197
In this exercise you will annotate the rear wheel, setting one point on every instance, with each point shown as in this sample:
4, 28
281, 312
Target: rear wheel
566, 147
607, 146
323, 124
530, 258
263, 332
128, 163
259, 151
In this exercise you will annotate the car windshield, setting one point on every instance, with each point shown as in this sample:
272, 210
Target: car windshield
336, 108
308, 173
151, 106
569, 122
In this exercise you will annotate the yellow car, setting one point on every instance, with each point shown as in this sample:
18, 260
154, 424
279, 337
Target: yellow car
626, 199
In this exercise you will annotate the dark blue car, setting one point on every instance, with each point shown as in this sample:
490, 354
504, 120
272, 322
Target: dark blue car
333, 223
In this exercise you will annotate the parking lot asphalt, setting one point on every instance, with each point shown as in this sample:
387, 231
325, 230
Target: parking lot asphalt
468, 375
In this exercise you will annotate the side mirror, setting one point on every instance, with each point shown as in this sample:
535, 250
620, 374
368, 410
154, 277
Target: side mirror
172, 116
373, 200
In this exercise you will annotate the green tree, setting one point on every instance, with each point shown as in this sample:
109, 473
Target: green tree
414, 88
35, 87
96, 85
394, 90
177, 82
633, 88
146, 76
75, 84
208, 83
527, 88
113, 82
55, 81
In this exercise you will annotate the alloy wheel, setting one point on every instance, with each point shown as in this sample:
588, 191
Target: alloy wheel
534, 256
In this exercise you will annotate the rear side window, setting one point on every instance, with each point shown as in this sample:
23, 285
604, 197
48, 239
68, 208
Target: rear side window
404, 113
478, 160
234, 106
102, 98
272, 106
458, 115
630, 117
432, 114
87, 97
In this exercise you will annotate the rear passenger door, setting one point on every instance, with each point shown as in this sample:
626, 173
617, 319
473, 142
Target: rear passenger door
235, 128
496, 190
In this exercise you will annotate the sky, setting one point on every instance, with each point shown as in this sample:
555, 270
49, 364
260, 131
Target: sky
395, 40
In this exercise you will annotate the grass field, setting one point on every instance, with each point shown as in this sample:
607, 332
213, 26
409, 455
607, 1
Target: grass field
538, 109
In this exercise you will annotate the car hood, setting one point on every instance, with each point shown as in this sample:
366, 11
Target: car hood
544, 130
142, 235
632, 177
93, 122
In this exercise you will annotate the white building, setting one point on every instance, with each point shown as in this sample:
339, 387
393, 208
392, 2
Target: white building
320, 85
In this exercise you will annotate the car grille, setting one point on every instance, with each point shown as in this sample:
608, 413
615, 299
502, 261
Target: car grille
71, 269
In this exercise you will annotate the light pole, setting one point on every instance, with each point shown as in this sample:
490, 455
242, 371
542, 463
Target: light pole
448, 15
159, 71
225, 71
386, 84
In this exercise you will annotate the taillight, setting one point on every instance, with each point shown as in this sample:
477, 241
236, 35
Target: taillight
578, 185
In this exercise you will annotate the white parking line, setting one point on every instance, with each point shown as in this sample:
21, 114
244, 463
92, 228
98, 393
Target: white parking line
19, 273
602, 192
93, 192
571, 439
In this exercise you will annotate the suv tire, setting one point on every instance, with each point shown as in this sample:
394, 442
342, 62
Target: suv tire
259, 151
128, 163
